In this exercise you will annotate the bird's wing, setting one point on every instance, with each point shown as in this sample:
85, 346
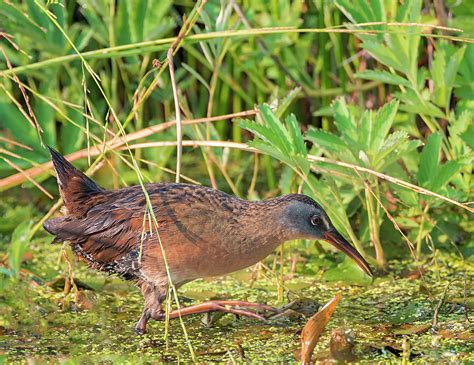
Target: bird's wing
105, 235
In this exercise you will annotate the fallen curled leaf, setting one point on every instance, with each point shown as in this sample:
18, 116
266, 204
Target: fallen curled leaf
315, 327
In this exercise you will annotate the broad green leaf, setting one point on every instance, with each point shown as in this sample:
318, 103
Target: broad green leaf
465, 80
20, 239
445, 68
122, 22
282, 142
394, 147
326, 140
264, 133
429, 160
383, 76
20, 129
138, 14
279, 133
287, 100
45, 113
325, 111
382, 123
458, 125
297, 140
72, 136
345, 121
387, 56
366, 130
411, 103
92, 11
445, 174
468, 136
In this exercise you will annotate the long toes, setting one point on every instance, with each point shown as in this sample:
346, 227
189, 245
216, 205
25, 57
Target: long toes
157, 315
245, 313
248, 305
259, 308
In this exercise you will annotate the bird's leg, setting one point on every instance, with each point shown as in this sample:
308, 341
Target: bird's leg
226, 306
153, 296
140, 327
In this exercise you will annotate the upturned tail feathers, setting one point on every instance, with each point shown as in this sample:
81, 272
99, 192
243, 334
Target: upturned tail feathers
77, 190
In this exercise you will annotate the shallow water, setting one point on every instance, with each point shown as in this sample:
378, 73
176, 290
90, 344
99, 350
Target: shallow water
38, 322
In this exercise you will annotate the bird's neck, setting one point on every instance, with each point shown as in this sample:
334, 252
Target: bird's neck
263, 221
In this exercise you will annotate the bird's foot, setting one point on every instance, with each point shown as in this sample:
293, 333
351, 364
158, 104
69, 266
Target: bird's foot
140, 328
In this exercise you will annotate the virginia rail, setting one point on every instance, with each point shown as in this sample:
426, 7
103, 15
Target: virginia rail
203, 232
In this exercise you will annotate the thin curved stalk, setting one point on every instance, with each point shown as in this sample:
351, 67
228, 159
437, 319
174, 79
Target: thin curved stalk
161, 44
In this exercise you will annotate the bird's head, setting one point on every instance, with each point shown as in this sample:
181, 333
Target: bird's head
303, 218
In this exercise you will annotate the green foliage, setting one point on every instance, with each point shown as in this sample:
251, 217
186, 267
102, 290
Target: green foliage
372, 123
19, 243
284, 143
412, 120
366, 142
431, 173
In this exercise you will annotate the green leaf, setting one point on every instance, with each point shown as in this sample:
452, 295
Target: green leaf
444, 71
285, 103
297, 140
326, 140
264, 133
366, 130
285, 143
468, 136
92, 10
45, 113
395, 146
387, 56
445, 174
411, 103
382, 123
345, 121
465, 80
458, 125
429, 160
278, 132
122, 22
71, 135
20, 239
138, 15
383, 76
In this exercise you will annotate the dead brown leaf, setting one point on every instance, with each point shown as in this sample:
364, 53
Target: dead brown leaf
315, 327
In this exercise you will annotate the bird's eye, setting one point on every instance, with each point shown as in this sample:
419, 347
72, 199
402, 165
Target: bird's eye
315, 220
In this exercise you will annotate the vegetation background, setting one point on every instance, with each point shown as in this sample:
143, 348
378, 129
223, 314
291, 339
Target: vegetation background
367, 106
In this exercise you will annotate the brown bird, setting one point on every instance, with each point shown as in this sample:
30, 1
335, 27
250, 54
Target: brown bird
198, 232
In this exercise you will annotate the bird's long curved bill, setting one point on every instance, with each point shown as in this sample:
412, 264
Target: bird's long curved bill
335, 239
